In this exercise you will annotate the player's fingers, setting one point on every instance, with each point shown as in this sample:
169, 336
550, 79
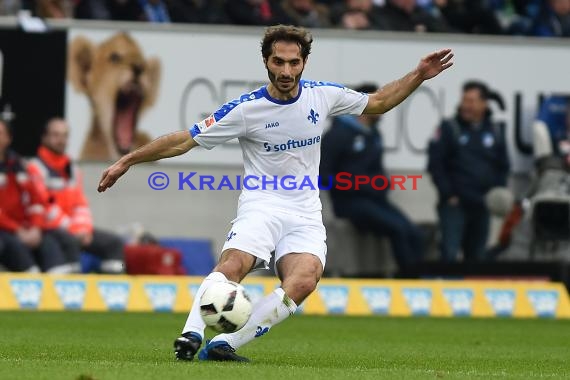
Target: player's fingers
103, 181
443, 52
447, 58
447, 65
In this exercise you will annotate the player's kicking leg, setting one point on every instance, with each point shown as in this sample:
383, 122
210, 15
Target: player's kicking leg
233, 266
299, 274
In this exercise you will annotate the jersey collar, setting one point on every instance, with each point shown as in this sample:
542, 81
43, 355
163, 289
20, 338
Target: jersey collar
278, 101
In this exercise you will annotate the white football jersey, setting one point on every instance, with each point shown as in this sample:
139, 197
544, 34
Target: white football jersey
280, 142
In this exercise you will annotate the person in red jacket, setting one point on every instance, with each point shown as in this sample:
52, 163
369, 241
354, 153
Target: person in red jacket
68, 215
24, 246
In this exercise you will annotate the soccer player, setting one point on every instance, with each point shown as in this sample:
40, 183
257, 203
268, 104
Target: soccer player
287, 222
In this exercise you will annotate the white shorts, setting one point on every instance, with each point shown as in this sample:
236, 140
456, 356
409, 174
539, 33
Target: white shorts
260, 232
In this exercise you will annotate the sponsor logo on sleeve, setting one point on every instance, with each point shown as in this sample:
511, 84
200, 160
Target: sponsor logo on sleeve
209, 121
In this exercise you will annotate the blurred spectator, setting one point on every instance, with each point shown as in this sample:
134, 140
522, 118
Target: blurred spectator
307, 13
553, 19
354, 145
551, 133
125, 10
10, 7
91, 9
356, 14
467, 158
197, 11
54, 8
256, 12
406, 15
69, 210
469, 16
155, 11
24, 247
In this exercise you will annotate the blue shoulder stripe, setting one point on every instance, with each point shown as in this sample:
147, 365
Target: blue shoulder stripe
228, 107
314, 83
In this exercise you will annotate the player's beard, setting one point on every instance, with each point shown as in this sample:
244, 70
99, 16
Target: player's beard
285, 85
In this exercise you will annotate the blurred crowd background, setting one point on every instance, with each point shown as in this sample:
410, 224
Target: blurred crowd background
548, 18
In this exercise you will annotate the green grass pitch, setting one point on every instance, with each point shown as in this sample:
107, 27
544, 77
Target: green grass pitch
80, 345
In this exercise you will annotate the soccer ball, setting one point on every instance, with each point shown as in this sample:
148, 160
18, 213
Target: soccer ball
225, 307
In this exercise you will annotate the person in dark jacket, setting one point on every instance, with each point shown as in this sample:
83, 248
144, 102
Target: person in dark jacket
407, 16
354, 145
467, 158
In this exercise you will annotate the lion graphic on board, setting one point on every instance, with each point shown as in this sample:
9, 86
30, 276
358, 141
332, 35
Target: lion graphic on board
120, 85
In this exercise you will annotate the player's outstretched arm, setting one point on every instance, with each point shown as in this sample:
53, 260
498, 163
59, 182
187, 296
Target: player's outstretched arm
395, 92
171, 145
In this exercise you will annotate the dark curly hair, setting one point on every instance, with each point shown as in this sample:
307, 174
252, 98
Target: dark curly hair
287, 33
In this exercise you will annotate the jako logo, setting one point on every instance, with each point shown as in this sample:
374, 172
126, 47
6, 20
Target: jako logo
115, 294
460, 301
313, 116
334, 297
502, 301
261, 331
161, 296
544, 302
272, 125
418, 300
27, 292
71, 293
378, 299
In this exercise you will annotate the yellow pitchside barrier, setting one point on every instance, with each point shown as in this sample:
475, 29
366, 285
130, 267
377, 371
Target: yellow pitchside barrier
437, 298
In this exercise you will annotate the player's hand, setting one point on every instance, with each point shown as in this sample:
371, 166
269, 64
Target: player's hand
111, 175
434, 63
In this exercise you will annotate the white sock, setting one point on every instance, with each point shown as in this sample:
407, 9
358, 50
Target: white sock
268, 312
194, 323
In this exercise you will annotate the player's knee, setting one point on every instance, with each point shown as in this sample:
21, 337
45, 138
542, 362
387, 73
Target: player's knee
234, 265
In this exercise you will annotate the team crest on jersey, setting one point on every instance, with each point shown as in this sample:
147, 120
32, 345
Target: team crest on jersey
313, 116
